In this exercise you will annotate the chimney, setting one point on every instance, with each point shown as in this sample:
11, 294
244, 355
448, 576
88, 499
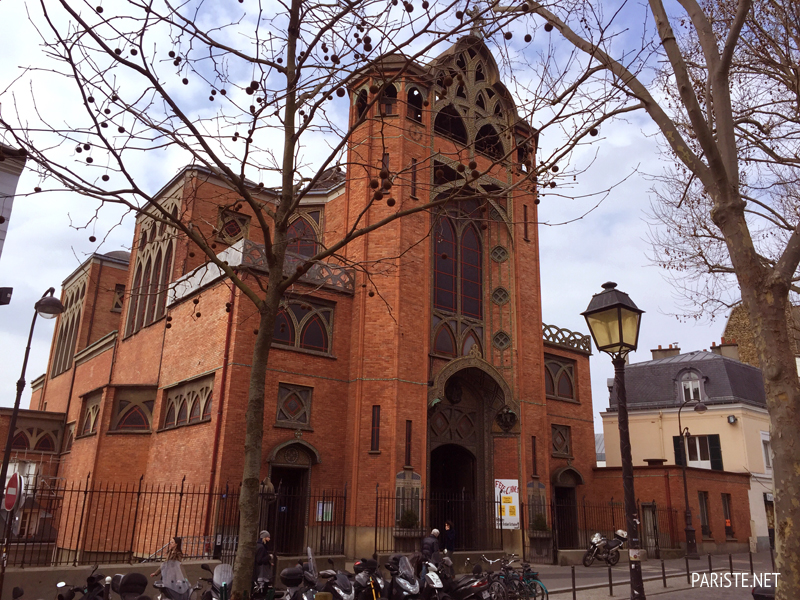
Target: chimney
665, 352
727, 348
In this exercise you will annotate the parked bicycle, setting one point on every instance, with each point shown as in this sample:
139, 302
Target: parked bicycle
521, 583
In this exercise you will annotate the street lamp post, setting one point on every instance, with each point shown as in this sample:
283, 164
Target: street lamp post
48, 307
691, 538
614, 320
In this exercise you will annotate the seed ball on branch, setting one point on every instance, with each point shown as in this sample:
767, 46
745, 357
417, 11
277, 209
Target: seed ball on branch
254, 84
444, 256
447, 81
78, 149
121, 129
374, 89
211, 98
255, 331
439, 174
196, 301
548, 27
90, 99
103, 124
168, 326
279, 60
248, 90
89, 159
528, 37
117, 51
371, 294
114, 97
459, 14
86, 147
134, 52
536, 200
387, 184
390, 202
92, 239
461, 168
409, 7
367, 47
425, 103
185, 81
191, 254
384, 174
425, 4
340, 92
475, 174
334, 59
473, 165
554, 168
105, 178
508, 35
172, 53
37, 189
593, 131
552, 184
378, 195
107, 111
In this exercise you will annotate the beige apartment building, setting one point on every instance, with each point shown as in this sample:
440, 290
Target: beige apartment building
731, 435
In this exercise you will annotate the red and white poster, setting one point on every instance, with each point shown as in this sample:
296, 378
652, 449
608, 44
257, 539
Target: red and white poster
506, 494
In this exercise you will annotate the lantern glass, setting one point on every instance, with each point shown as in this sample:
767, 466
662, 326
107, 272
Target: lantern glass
604, 326
629, 327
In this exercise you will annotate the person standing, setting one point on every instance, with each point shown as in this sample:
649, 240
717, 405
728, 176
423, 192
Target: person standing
449, 540
263, 566
430, 545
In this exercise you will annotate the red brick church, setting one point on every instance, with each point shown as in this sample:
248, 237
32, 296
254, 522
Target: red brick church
429, 380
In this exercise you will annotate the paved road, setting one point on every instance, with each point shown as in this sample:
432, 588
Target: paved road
559, 579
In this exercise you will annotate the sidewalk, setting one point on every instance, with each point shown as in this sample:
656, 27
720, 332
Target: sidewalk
558, 579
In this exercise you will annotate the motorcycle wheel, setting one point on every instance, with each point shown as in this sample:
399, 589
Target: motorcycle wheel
497, 591
613, 558
536, 590
588, 558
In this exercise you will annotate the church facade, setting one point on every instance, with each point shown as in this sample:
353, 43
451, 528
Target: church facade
426, 373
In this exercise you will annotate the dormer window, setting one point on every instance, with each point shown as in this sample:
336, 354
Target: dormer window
691, 386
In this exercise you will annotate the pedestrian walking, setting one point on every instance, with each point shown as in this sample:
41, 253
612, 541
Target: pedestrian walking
264, 555
430, 545
174, 553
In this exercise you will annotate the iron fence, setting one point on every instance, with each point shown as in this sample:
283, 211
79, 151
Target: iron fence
404, 518
89, 523
571, 526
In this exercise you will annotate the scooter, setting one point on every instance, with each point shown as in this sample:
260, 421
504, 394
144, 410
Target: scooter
605, 550
220, 581
368, 583
130, 586
432, 584
473, 586
338, 583
93, 590
404, 584
173, 585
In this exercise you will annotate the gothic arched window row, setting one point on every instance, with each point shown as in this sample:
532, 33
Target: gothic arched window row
189, 403
152, 271
304, 324
134, 408
559, 378
69, 323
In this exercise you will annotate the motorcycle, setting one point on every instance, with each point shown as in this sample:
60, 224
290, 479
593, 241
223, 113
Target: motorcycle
368, 583
432, 581
130, 586
221, 579
603, 549
173, 585
300, 581
93, 590
335, 582
404, 584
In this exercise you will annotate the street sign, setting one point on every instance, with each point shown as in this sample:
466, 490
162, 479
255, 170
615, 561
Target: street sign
12, 492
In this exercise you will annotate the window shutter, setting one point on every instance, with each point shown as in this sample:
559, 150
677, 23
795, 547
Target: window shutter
715, 452
677, 444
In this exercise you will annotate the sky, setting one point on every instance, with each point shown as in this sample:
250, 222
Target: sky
45, 242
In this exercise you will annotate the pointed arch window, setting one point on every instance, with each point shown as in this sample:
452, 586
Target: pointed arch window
152, 272
304, 324
183, 412
488, 142
458, 268
361, 104
20, 441
45, 443
559, 378
133, 408
444, 342
69, 324
471, 273
189, 403
444, 266
301, 238
388, 99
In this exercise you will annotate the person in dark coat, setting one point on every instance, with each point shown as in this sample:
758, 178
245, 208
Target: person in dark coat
449, 541
263, 566
430, 545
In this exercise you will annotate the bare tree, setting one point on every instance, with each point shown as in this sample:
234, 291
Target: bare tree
725, 99
248, 95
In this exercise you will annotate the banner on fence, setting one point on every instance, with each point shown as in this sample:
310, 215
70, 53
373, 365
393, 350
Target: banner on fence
506, 493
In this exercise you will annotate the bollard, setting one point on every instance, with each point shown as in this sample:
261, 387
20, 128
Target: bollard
610, 582
574, 591
688, 576
751, 562
709, 562
663, 573
730, 563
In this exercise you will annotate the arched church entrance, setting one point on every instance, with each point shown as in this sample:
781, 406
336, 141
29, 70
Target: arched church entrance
466, 399
285, 516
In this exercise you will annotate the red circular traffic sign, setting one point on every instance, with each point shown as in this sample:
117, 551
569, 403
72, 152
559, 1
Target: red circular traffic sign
12, 492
